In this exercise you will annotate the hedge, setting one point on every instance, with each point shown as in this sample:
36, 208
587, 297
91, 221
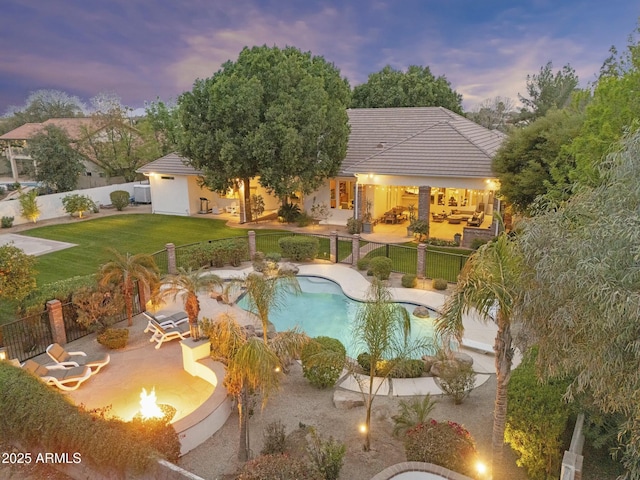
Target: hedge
37, 416
299, 248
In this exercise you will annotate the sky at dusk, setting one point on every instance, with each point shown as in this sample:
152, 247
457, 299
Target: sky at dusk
143, 49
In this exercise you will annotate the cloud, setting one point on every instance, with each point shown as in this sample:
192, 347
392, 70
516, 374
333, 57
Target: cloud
325, 32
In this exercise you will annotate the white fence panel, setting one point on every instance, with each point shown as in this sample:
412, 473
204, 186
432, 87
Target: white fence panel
51, 205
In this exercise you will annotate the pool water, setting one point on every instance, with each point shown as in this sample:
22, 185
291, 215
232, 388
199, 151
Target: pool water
322, 309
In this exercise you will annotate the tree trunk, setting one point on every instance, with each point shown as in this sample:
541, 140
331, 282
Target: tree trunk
192, 306
367, 434
127, 291
504, 356
243, 450
245, 205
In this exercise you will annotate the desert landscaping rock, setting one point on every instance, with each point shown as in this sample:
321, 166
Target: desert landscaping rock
421, 312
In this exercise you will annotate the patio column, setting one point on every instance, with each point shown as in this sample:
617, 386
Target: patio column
252, 244
56, 320
424, 202
421, 266
171, 258
355, 250
333, 246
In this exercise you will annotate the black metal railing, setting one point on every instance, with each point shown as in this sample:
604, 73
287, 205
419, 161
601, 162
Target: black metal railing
27, 337
72, 328
444, 265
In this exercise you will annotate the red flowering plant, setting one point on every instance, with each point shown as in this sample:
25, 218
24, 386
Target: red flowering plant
447, 444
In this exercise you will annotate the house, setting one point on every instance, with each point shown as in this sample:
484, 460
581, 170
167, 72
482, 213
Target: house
15, 142
426, 157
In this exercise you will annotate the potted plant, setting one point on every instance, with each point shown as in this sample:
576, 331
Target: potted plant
367, 218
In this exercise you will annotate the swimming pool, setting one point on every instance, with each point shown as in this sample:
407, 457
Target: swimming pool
322, 309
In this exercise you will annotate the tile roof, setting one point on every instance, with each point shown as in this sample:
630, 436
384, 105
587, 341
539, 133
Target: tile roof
75, 128
171, 164
422, 141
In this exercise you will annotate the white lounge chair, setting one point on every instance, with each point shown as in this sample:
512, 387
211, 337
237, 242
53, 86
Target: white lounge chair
164, 334
77, 359
67, 379
171, 321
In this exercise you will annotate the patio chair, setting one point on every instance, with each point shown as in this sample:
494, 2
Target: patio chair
171, 321
164, 334
67, 379
77, 359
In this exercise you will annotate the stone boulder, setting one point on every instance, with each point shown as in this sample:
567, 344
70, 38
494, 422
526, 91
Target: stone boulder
421, 312
346, 400
463, 358
290, 268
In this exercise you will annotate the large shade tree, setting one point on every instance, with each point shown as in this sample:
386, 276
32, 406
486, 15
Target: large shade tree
57, 163
417, 87
279, 114
42, 105
535, 160
583, 301
614, 110
546, 90
489, 285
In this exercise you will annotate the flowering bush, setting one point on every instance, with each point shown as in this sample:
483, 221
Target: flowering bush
447, 444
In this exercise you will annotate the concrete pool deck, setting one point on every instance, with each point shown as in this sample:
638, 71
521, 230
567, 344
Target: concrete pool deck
34, 245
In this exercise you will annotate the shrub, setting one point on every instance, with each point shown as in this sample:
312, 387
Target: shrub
409, 280
114, 338
299, 248
354, 225
29, 208
536, 420
97, 308
198, 256
278, 467
456, 379
236, 251
326, 455
439, 284
289, 212
77, 204
304, 219
420, 229
363, 263
7, 222
274, 438
406, 368
447, 444
364, 360
412, 412
120, 199
257, 206
476, 243
322, 361
38, 416
273, 257
62, 290
380, 267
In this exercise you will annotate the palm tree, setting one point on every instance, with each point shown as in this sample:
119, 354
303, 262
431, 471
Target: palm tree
489, 284
266, 292
187, 284
382, 328
125, 270
252, 365
412, 412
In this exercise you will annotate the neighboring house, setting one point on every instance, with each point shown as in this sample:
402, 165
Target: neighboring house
14, 144
428, 157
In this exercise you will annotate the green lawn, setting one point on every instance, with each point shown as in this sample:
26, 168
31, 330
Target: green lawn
134, 233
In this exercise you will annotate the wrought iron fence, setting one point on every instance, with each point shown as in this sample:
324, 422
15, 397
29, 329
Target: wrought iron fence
345, 248
72, 328
27, 337
444, 265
